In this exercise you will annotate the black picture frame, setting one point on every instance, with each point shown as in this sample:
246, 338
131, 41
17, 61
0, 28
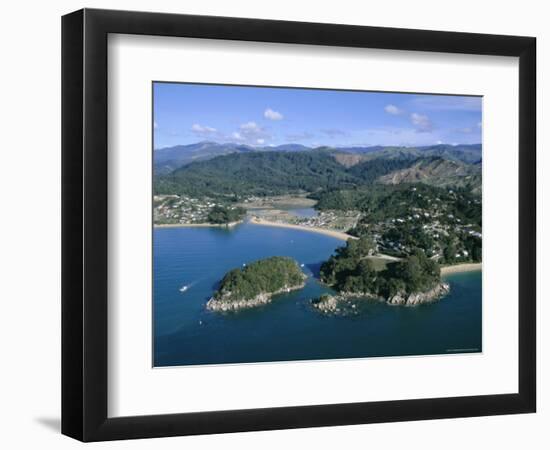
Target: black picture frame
84, 224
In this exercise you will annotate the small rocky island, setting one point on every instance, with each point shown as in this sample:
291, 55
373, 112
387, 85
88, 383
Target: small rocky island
411, 281
256, 283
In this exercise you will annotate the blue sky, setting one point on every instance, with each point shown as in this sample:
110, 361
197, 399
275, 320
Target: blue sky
189, 113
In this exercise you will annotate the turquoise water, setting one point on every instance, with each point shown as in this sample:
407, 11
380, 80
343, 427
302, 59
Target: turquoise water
185, 333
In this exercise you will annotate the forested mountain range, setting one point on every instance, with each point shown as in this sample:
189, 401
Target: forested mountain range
270, 173
276, 172
171, 158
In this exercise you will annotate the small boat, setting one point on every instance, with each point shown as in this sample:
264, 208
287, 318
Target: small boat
301, 265
183, 288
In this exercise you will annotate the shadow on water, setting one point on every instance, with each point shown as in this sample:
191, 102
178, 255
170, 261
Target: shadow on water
315, 268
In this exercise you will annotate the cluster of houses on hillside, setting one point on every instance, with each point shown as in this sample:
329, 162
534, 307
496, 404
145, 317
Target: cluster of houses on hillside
432, 228
176, 209
333, 220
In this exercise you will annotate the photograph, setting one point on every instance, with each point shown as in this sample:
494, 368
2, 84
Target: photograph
299, 224
275, 225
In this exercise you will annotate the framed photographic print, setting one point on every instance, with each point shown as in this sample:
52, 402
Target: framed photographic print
273, 224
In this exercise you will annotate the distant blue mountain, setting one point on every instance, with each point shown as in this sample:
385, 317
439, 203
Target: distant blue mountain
170, 158
469, 154
288, 148
359, 149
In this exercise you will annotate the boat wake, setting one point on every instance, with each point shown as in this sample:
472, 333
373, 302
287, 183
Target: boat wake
186, 287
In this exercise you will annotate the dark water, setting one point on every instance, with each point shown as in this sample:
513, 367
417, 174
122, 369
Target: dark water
288, 329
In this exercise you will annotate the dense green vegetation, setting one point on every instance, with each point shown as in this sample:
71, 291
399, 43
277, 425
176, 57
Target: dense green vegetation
469, 154
168, 159
271, 173
224, 215
456, 245
382, 202
260, 277
416, 273
369, 171
349, 264
350, 270
431, 200
240, 171
445, 223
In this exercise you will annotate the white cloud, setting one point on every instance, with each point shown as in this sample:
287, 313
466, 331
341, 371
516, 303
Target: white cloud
273, 115
260, 141
393, 110
155, 125
250, 133
203, 131
252, 126
422, 123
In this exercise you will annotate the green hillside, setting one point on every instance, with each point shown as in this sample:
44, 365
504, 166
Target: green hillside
271, 173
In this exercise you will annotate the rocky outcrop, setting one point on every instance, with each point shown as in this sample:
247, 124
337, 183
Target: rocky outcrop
418, 298
226, 303
343, 303
346, 303
328, 304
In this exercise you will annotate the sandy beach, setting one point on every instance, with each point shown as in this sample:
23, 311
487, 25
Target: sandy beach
445, 270
197, 225
335, 234
467, 267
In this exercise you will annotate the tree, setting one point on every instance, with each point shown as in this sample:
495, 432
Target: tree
350, 271
477, 252
449, 253
221, 215
264, 276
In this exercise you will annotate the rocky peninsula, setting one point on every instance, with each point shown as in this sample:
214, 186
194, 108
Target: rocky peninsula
411, 281
345, 303
256, 284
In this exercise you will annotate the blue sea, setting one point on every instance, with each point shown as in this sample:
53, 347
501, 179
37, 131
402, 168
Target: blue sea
287, 329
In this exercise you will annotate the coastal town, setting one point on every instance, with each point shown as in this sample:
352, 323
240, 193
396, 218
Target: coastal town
176, 210
421, 220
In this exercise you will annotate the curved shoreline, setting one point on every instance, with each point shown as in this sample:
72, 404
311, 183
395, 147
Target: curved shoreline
198, 225
332, 233
445, 270
458, 268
